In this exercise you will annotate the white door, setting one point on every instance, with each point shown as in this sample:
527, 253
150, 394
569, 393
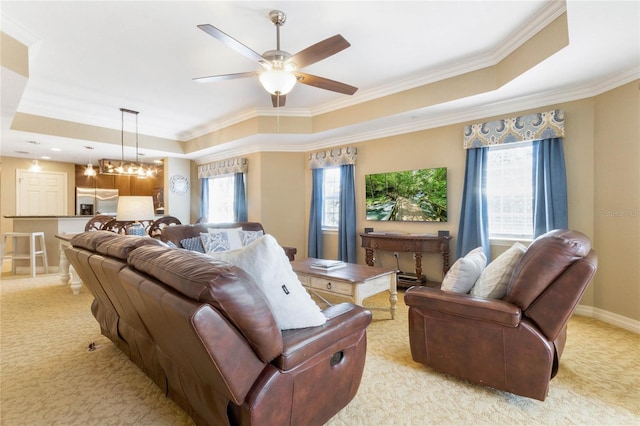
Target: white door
41, 194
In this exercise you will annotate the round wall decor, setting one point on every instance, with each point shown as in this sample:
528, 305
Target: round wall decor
179, 184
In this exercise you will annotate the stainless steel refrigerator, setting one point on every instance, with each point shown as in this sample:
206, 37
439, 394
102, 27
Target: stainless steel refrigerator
92, 201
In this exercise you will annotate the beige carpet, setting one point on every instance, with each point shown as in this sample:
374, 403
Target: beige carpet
49, 377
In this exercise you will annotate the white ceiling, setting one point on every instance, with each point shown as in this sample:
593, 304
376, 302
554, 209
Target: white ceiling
90, 58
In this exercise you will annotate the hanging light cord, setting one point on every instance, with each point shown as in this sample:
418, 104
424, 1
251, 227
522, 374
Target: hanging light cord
122, 136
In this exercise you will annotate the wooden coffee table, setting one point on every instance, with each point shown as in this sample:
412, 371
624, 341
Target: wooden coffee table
354, 282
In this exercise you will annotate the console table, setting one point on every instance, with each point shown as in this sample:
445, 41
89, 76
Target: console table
415, 243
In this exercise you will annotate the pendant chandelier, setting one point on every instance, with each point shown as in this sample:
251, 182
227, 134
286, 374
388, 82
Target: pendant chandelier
127, 168
89, 170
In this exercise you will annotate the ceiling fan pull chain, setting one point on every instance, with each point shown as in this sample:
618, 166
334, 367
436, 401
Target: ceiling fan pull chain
278, 114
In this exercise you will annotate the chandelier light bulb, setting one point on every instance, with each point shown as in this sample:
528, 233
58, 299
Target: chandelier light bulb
89, 171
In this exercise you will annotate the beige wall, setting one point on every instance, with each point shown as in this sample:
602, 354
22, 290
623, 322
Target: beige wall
275, 185
616, 210
602, 154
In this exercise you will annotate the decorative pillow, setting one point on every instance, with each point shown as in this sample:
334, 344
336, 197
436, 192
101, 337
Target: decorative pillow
217, 241
193, 244
247, 237
168, 244
494, 280
269, 266
465, 271
225, 237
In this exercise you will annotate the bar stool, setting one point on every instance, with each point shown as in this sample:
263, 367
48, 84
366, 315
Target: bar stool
31, 255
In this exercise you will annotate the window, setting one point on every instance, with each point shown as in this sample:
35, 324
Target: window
331, 198
221, 196
510, 191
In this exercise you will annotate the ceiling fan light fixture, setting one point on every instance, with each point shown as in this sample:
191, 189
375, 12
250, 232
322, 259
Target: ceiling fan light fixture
277, 81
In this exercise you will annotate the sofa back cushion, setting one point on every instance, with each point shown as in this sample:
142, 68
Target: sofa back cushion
227, 288
90, 240
121, 246
545, 260
177, 233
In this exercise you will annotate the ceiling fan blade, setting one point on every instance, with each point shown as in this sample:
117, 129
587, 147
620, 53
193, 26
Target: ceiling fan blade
319, 51
278, 100
231, 42
225, 77
325, 83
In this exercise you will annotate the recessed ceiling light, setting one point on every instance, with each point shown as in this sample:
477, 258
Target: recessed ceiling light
56, 149
44, 157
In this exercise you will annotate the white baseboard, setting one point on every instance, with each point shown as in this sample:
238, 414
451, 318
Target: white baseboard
609, 318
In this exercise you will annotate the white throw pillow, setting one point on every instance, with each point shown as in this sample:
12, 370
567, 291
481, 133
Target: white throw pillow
465, 271
269, 266
494, 280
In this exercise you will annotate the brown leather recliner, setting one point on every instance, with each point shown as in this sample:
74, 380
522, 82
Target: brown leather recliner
513, 344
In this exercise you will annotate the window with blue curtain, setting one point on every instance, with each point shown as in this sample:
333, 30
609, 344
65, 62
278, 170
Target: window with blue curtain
548, 175
223, 192
345, 159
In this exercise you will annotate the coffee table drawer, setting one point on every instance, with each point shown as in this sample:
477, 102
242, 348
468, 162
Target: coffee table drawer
333, 286
305, 280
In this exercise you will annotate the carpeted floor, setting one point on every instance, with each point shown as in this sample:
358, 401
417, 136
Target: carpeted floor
50, 377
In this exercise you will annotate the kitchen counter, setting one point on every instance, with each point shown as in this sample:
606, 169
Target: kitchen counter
51, 226
86, 217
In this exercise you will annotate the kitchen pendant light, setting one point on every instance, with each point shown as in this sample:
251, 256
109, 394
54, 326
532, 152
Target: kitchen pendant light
127, 168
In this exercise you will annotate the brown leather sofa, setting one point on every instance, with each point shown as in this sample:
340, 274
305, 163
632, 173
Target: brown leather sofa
200, 330
513, 344
176, 233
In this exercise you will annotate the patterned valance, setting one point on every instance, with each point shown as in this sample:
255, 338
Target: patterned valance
224, 167
333, 157
543, 125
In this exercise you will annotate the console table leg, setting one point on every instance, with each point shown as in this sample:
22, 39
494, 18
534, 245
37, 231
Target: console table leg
393, 295
418, 267
369, 257
445, 262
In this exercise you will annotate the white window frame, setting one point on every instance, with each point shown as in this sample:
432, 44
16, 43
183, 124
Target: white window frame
514, 180
221, 209
330, 197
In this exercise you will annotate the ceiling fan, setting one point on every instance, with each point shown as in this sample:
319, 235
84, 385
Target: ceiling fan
280, 69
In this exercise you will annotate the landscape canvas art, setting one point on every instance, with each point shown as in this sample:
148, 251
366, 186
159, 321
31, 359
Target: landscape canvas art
411, 196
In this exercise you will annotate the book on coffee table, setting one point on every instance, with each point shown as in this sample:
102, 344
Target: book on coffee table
328, 265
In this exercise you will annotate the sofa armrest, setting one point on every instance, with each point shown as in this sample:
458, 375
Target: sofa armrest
463, 305
343, 320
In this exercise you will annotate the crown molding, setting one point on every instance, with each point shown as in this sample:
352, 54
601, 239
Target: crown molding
440, 119
17, 31
551, 11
